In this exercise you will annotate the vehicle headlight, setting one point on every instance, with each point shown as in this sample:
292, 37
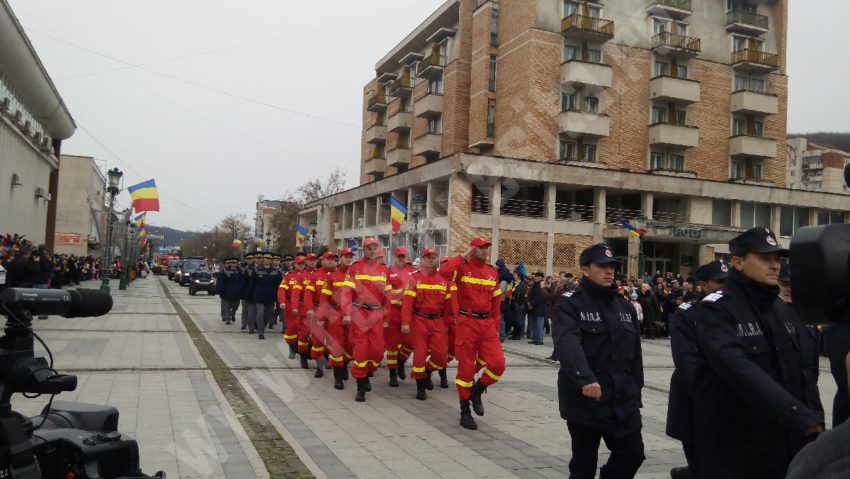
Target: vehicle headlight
197, 281
212, 281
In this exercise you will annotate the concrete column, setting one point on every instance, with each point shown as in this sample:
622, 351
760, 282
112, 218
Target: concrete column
365, 216
551, 196
495, 217
736, 214
703, 251
646, 202
428, 199
634, 255
377, 210
775, 218
813, 216
599, 205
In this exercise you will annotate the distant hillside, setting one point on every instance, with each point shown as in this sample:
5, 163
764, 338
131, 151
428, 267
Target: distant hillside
172, 236
840, 140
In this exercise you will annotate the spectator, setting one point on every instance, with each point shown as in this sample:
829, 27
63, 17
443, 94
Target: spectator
519, 300
651, 310
536, 309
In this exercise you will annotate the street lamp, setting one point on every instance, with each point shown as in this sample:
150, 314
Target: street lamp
122, 282
114, 180
416, 210
313, 233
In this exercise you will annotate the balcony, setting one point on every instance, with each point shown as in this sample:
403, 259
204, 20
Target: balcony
401, 121
429, 106
376, 166
812, 166
376, 135
752, 147
402, 87
576, 124
377, 102
431, 66
676, 136
428, 145
755, 60
754, 103
523, 208
399, 156
580, 27
670, 44
674, 89
677, 9
581, 74
741, 21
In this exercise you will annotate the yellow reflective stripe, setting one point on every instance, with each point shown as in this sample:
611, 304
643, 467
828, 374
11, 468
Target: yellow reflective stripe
434, 366
449, 296
396, 291
434, 287
290, 336
306, 281
327, 292
337, 284
453, 288
283, 286
406, 349
391, 353
397, 302
481, 361
297, 287
350, 284
489, 373
366, 277
335, 358
410, 293
361, 365
388, 288
374, 363
319, 349
462, 383
392, 361
498, 292
510, 287
310, 288
320, 282
419, 370
349, 356
479, 281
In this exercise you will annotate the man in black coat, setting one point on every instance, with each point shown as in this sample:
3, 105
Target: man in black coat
651, 309
536, 309
264, 283
229, 285
757, 400
683, 345
597, 341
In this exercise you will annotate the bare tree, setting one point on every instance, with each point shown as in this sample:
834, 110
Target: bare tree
236, 226
317, 188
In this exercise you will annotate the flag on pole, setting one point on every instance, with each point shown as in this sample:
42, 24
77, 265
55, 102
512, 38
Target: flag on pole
352, 245
634, 230
301, 234
145, 196
398, 212
139, 220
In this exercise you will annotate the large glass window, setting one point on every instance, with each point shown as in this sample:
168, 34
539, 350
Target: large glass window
590, 152
791, 219
435, 86
567, 150
827, 217
569, 102
755, 215
591, 104
494, 28
656, 160
435, 125
492, 73
594, 56
721, 212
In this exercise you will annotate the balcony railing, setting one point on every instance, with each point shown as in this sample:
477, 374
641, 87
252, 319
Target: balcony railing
434, 61
377, 101
746, 18
755, 56
595, 25
401, 83
521, 207
680, 42
678, 4
565, 211
480, 204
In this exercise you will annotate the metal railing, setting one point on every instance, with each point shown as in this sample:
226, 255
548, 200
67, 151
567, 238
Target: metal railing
746, 18
682, 42
403, 82
431, 61
755, 56
480, 204
570, 212
379, 98
679, 4
521, 207
597, 25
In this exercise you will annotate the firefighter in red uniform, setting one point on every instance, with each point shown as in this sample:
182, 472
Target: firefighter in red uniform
427, 303
365, 307
450, 321
306, 298
317, 332
331, 319
397, 343
477, 330
289, 295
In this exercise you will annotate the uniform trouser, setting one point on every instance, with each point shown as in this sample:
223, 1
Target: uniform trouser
477, 342
280, 316
293, 322
430, 344
450, 335
264, 316
303, 332
367, 339
318, 334
335, 339
228, 309
626, 453
249, 314
397, 344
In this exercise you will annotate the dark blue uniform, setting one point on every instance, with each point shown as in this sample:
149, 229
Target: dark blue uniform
597, 339
249, 309
756, 382
229, 284
263, 285
683, 345
837, 345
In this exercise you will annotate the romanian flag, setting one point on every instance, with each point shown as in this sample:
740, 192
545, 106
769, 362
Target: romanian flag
301, 234
398, 212
632, 228
145, 196
139, 221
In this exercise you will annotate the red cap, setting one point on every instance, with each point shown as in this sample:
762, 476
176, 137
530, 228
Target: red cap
329, 254
345, 252
299, 259
381, 253
370, 241
312, 256
429, 252
402, 251
444, 259
480, 242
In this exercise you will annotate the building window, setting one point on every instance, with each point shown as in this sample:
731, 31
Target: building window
435, 125
677, 162
791, 219
594, 56
721, 212
792, 173
682, 71
658, 26
758, 128
406, 106
660, 69
412, 69
589, 152
659, 115
738, 43
745, 82
492, 73
569, 8
570, 53
827, 217
739, 126
494, 28
569, 102
754, 215
656, 160
745, 169
591, 104
435, 86
681, 117
491, 117
567, 151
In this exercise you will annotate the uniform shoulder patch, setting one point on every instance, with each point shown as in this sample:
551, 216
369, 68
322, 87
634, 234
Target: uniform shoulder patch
714, 297
685, 306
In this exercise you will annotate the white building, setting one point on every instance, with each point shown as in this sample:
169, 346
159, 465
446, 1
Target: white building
81, 206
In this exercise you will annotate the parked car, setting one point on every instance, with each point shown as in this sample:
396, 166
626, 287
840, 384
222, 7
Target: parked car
178, 272
171, 269
202, 279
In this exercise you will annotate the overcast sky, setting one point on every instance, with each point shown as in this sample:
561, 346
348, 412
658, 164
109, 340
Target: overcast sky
222, 101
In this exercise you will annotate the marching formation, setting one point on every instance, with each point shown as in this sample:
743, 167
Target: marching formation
352, 314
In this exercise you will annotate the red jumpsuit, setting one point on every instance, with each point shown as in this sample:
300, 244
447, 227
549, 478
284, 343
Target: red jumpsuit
365, 299
451, 322
330, 311
477, 330
427, 306
311, 303
306, 298
397, 344
288, 295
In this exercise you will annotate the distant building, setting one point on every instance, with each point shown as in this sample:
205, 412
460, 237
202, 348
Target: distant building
33, 122
816, 166
80, 206
263, 228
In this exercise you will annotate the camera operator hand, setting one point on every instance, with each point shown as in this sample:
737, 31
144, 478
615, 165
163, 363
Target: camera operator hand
817, 429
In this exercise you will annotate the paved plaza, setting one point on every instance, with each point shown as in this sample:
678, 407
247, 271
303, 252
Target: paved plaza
205, 399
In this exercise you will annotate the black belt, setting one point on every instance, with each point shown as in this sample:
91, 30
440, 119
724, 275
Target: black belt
315, 303
369, 307
427, 315
474, 314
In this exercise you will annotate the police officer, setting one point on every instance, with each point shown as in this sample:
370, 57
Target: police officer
264, 285
248, 308
597, 340
757, 401
680, 409
229, 285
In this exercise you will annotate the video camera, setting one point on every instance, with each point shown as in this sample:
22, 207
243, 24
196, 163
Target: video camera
68, 439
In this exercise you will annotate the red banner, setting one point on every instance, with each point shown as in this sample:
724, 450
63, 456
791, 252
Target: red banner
67, 238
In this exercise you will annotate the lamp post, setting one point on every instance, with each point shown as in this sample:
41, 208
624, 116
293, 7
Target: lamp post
122, 283
114, 176
313, 234
416, 209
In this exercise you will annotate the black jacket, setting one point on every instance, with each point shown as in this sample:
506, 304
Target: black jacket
837, 345
537, 301
597, 339
264, 283
229, 284
651, 309
683, 345
21, 272
756, 382
247, 280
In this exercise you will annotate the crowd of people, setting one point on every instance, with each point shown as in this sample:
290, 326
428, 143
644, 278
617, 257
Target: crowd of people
24, 264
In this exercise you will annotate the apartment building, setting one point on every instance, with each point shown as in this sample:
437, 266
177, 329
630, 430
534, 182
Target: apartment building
81, 206
816, 167
544, 124
263, 227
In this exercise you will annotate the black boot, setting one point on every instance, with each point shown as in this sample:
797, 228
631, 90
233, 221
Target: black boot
401, 374
444, 379
393, 378
420, 390
304, 357
428, 383
368, 384
475, 398
680, 473
345, 372
338, 381
292, 351
320, 368
466, 419
361, 390
370, 375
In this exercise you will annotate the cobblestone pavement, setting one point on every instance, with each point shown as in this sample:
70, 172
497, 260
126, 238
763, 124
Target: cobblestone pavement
167, 382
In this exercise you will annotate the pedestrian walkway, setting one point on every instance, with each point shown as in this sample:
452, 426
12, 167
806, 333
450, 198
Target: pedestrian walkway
142, 359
